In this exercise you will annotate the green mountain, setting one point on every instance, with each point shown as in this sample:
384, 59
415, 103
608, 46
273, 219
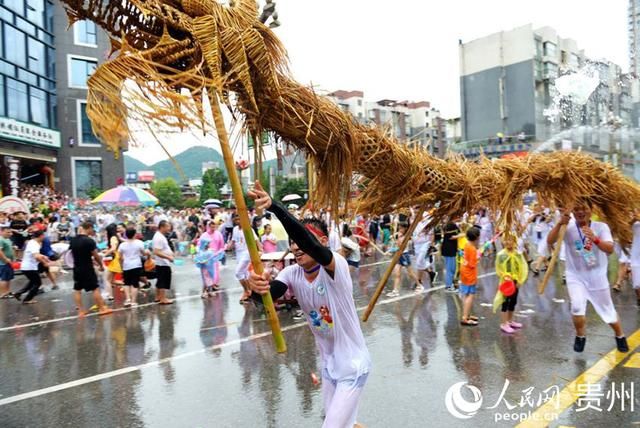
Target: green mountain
190, 161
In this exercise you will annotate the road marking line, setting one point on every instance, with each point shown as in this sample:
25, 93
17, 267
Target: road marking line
125, 370
634, 361
548, 412
140, 306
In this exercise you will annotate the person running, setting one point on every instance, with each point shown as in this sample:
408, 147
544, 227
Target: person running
587, 246
242, 257
404, 262
29, 267
85, 256
469, 275
131, 253
6, 259
163, 257
19, 235
634, 257
422, 244
322, 284
112, 257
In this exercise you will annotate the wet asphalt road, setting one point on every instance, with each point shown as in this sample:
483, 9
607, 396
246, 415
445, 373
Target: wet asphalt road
211, 363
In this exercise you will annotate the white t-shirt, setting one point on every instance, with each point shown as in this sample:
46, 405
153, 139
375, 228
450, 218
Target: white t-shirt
239, 242
353, 247
29, 261
131, 252
160, 242
634, 254
577, 266
331, 313
334, 240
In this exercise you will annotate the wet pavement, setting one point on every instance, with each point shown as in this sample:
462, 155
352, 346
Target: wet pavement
211, 363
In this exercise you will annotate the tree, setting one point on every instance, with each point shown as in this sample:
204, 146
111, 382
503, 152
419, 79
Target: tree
212, 181
93, 192
191, 203
291, 185
168, 193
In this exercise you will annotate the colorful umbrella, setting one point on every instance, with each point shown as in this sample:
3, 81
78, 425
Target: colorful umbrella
126, 196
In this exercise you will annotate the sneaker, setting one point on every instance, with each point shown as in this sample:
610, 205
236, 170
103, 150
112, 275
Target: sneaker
134, 305
621, 344
127, 303
514, 324
506, 328
393, 293
55, 287
419, 289
298, 315
579, 343
450, 290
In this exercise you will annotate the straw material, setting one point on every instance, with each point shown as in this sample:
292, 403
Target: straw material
176, 51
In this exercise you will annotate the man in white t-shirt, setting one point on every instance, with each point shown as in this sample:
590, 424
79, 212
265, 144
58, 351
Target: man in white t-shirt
321, 282
163, 257
588, 244
131, 253
634, 257
29, 267
243, 258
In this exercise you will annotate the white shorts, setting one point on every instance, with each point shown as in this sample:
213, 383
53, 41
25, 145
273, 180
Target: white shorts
242, 268
635, 276
600, 300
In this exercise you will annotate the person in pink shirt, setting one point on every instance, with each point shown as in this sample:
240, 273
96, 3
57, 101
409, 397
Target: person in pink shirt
213, 253
269, 240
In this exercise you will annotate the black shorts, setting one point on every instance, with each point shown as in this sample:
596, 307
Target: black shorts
163, 273
85, 280
42, 268
132, 277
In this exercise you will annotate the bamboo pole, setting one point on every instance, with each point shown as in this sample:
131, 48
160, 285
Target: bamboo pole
553, 261
392, 264
243, 215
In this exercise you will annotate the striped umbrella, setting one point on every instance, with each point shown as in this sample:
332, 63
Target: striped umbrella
126, 196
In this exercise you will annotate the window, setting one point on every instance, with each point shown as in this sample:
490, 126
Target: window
17, 100
549, 49
79, 71
85, 133
37, 57
39, 107
84, 33
15, 5
14, 45
550, 69
35, 12
87, 175
2, 112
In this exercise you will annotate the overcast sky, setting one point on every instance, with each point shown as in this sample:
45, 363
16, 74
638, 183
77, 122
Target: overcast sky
408, 49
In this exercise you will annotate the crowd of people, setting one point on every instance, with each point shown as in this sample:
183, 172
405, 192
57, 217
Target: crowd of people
131, 246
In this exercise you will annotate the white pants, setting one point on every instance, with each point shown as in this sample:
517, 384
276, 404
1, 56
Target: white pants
635, 276
422, 260
341, 401
600, 300
242, 268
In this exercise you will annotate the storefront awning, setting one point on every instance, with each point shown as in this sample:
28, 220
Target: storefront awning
27, 155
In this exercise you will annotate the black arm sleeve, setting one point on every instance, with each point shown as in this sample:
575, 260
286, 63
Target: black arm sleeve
301, 236
278, 288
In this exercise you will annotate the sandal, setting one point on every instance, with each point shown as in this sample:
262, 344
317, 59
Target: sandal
7, 296
469, 322
473, 318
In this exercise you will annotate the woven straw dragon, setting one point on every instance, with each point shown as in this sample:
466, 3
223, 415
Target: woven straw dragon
179, 53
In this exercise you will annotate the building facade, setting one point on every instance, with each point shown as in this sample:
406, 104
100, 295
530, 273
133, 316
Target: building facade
410, 122
633, 25
45, 137
83, 162
510, 102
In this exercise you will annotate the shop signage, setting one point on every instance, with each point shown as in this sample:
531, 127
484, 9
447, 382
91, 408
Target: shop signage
12, 129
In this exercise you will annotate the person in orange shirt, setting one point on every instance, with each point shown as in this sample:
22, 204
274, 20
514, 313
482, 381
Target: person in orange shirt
469, 275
